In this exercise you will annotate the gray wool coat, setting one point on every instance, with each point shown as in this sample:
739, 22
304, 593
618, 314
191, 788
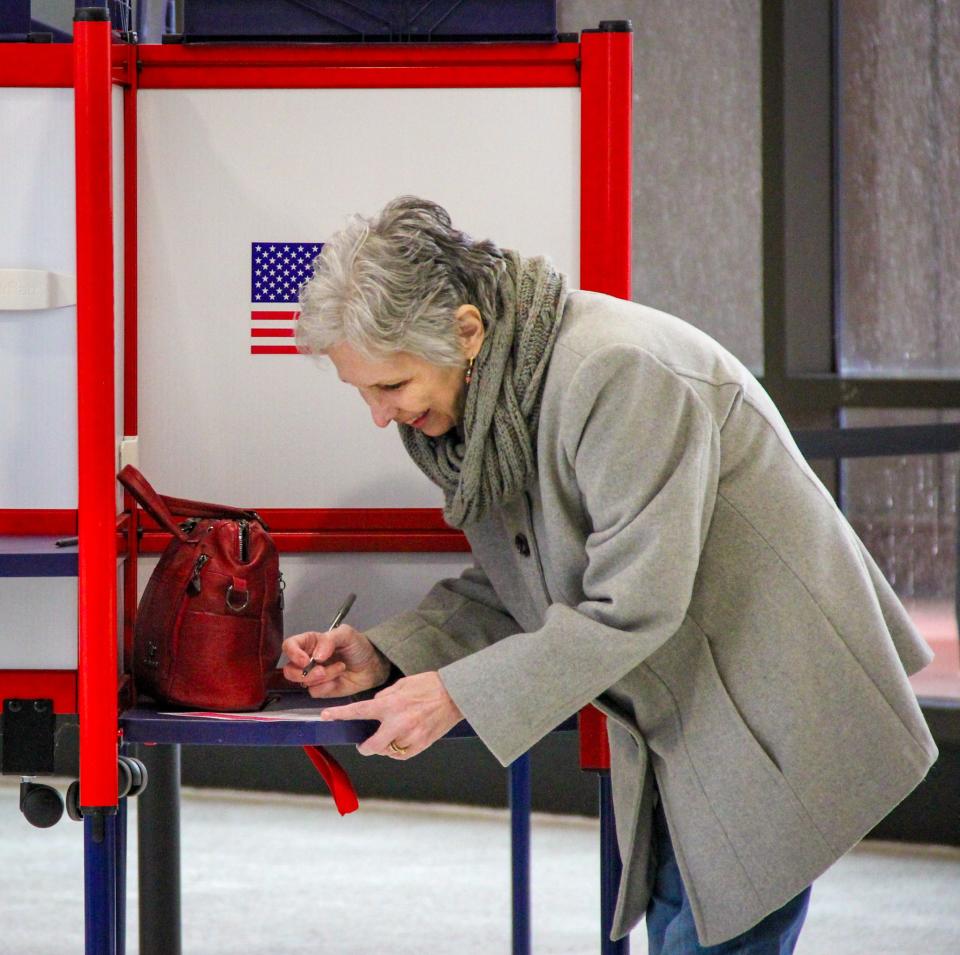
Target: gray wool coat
677, 563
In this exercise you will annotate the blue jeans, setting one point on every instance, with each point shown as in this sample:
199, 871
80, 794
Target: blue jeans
670, 928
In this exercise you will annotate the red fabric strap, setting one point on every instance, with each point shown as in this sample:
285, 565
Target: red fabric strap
336, 778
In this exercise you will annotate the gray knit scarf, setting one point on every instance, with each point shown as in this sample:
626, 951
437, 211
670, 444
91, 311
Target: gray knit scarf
491, 458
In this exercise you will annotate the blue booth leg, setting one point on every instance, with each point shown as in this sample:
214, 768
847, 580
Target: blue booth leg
100, 883
121, 857
520, 852
609, 871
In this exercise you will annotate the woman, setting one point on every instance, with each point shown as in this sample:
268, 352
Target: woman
647, 538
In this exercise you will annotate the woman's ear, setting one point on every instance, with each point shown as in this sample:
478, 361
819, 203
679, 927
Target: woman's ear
471, 329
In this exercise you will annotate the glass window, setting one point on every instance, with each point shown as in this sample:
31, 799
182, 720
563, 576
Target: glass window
905, 511
899, 187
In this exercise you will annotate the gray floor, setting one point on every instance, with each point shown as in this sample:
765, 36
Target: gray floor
284, 875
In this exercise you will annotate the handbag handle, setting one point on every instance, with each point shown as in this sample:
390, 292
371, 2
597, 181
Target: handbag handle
185, 508
149, 500
164, 509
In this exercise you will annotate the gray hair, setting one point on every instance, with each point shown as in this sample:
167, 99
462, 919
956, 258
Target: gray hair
393, 282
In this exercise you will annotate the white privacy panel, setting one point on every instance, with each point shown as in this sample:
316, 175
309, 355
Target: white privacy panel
221, 170
39, 627
38, 360
316, 585
38, 365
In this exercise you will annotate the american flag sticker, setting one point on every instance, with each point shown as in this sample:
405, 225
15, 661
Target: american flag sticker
277, 270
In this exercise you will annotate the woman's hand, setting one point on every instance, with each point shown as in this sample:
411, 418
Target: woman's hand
414, 713
349, 662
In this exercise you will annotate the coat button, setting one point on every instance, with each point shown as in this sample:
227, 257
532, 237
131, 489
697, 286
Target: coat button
522, 544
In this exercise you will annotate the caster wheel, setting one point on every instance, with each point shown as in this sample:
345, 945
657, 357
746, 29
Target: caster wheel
144, 777
138, 774
41, 805
124, 777
72, 801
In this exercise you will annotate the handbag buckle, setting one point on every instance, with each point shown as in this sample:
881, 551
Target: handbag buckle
236, 608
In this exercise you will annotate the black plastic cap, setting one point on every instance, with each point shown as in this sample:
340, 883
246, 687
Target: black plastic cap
88, 14
612, 26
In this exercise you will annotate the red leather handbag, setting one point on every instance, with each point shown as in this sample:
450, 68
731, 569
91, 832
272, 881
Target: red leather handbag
210, 624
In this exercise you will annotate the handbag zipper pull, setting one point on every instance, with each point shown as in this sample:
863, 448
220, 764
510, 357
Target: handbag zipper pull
194, 586
242, 528
281, 587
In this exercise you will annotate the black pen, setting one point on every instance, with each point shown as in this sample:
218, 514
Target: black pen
337, 620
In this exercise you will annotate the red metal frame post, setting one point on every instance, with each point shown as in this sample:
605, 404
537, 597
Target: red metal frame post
97, 570
130, 346
606, 189
606, 166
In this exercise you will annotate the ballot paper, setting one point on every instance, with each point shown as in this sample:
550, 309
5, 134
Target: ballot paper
285, 706
255, 716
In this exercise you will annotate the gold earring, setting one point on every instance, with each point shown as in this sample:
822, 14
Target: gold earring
469, 375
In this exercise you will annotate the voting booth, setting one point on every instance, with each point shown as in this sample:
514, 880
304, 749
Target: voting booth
162, 206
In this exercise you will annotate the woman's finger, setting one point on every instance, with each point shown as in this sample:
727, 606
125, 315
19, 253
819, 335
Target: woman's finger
298, 649
323, 674
379, 744
294, 672
332, 689
364, 710
303, 647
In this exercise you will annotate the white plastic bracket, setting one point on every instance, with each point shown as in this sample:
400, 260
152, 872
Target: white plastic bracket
129, 451
32, 289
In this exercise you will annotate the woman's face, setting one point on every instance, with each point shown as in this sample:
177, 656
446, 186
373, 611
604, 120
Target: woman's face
403, 388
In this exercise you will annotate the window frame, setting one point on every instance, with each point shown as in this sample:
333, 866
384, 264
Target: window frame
801, 265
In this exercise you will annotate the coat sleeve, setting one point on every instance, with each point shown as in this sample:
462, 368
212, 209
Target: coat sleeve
458, 617
641, 452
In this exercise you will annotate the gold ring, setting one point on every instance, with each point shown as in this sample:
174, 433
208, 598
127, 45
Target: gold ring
399, 750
